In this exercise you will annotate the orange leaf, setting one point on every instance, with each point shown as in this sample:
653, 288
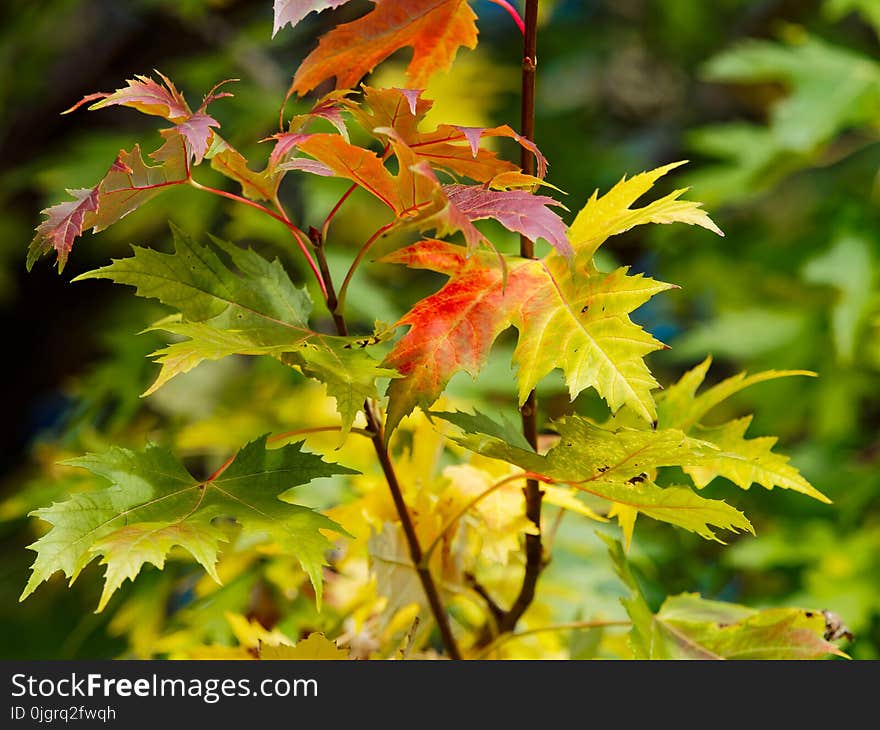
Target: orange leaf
433, 28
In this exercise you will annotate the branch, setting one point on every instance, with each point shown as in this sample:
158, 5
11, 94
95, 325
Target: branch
534, 549
282, 218
374, 426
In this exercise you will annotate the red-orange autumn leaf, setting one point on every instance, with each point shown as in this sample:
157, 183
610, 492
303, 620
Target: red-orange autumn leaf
435, 29
452, 148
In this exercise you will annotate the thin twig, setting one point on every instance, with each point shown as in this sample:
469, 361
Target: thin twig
343, 290
281, 218
335, 210
534, 549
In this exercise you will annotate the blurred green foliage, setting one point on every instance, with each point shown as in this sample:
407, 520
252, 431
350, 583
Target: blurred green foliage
777, 103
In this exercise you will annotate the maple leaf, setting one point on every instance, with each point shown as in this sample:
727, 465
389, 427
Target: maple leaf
615, 465
435, 29
128, 184
743, 461
569, 315
257, 642
293, 11
690, 627
256, 312
149, 97
145, 95
154, 503
315, 647
414, 195
453, 148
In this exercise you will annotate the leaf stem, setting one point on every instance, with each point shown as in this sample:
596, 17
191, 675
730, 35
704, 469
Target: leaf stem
335, 210
513, 12
298, 235
343, 290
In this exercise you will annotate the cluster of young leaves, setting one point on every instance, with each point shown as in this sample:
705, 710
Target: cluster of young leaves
569, 314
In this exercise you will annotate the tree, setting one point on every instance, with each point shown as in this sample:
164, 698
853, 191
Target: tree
458, 535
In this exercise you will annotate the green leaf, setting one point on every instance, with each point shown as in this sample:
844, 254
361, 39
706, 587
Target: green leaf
690, 627
154, 503
830, 86
612, 214
616, 465
258, 311
506, 431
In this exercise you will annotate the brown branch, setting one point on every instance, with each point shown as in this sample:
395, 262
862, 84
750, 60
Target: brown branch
534, 548
374, 425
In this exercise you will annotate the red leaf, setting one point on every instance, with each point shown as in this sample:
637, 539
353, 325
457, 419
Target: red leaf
449, 147
435, 29
196, 131
451, 330
285, 143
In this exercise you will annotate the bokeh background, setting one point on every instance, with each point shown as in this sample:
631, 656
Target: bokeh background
776, 103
